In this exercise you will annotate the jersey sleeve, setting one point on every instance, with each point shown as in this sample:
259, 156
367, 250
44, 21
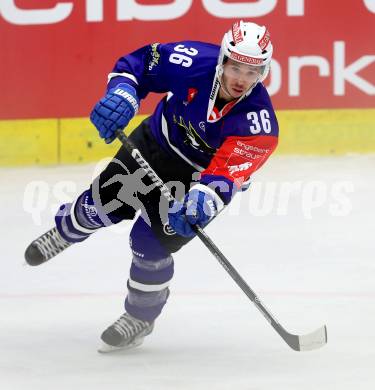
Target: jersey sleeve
235, 161
156, 67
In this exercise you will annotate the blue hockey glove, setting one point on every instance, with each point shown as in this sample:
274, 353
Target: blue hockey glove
199, 206
114, 111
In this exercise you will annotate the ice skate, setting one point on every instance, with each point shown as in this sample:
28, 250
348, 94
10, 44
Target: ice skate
45, 247
126, 333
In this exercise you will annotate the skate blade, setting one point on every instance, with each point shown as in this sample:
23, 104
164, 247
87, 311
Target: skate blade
106, 348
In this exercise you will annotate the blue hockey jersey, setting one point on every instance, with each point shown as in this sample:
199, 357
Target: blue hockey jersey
226, 144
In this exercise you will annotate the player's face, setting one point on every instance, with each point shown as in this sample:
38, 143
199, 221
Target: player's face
237, 79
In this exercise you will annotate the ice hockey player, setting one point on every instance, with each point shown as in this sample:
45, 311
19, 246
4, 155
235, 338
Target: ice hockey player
206, 137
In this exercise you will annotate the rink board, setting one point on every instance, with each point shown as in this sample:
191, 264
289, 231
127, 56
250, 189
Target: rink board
75, 140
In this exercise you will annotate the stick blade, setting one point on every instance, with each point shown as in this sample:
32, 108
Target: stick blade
313, 340
306, 342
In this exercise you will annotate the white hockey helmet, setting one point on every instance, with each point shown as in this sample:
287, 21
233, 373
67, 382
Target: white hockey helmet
247, 43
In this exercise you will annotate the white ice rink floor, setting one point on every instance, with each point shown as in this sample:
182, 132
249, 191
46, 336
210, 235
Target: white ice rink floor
309, 255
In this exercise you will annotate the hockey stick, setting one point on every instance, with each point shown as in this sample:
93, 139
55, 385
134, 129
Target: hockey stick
305, 342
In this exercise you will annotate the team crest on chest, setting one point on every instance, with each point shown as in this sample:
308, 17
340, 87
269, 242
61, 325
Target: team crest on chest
191, 136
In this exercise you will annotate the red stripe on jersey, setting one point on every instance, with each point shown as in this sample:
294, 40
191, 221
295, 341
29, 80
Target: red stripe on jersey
239, 157
216, 114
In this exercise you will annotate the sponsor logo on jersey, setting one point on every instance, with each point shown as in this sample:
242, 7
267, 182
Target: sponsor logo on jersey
155, 56
239, 168
252, 148
245, 153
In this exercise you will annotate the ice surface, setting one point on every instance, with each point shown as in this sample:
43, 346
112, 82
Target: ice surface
308, 264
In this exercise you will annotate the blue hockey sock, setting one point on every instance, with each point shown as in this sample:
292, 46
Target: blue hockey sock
78, 220
150, 274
